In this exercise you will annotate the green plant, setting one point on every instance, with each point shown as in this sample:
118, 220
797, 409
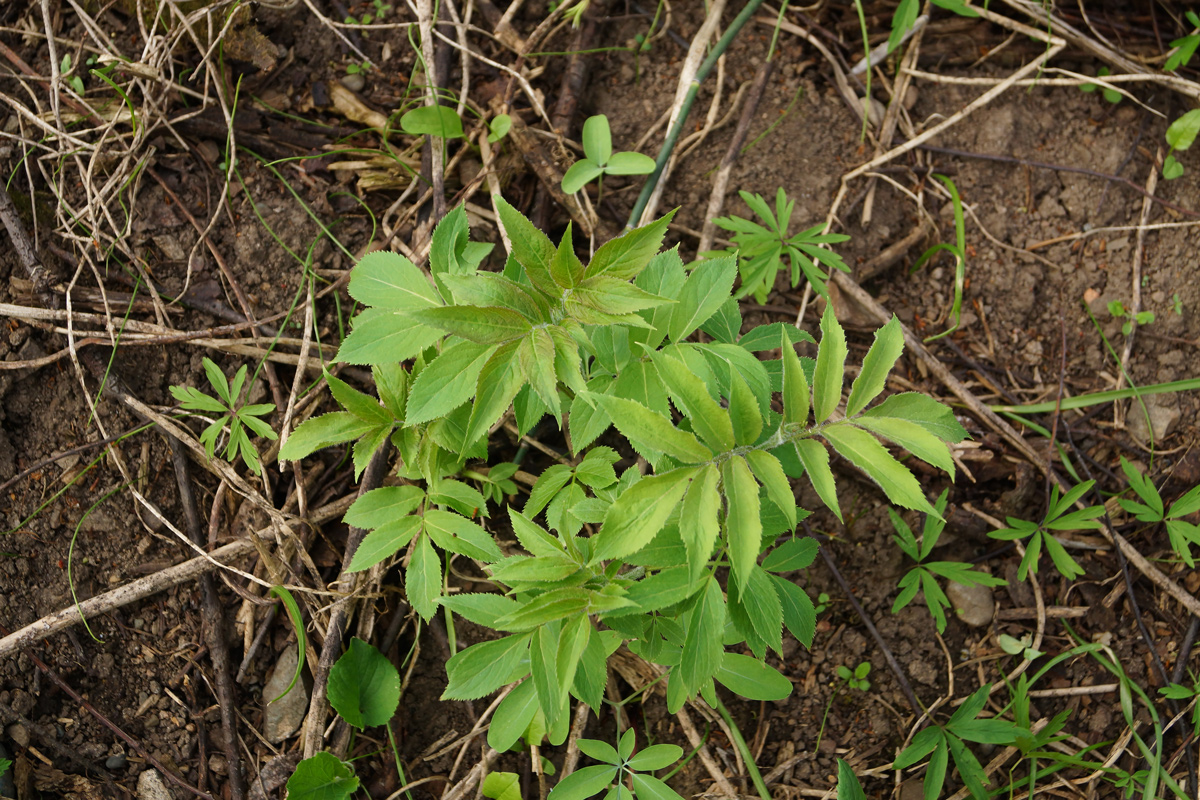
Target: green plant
1060, 518
5, 765
958, 250
1111, 95
354, 68
75, 81
856, 679
678, 563
240, 418
848, 787
921, 578
620, 766
498, 127
1119, 311
380, 10
762, 249
440, 121
1180, 136
1177, 304
600, 160
822, 603
1183, 534
1185, 46
1178, 691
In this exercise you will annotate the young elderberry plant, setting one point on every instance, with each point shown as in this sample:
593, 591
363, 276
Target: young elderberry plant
1059, 518
1183, 534
239, 418
762, 249
600, 160
678, 563
923, 577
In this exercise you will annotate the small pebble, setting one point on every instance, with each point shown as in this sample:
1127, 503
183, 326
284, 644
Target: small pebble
354, 82
115, 762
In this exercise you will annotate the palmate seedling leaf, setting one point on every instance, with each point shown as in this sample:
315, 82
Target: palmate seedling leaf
706, 289
193, 399
702, 650
323, 431
483, 668
815, 459
652, 431
831, 366
639, 513
384, 542
388, 280
364, 687
322, 777
743, 522
878, 362
865, 452
385, 336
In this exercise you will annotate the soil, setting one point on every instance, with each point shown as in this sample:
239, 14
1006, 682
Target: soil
1048, 251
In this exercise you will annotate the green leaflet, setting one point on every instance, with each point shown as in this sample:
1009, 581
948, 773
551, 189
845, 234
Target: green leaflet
482, 609
380, 506
752, 679
532, 249
653, 431
706, 289
702, 650
538, 366
664, 276
364, 687
699, 524
913, 438
743, 411
389, 280
743, 525
924, 411
725, 325
485, 325
451, 251
693, 400
533, 537
490, 289
457, 534
795, 387
447, 382
769, 472
614, 296
361, 405
483, 668
865, 452
543, 664
798, 613
391, 383
319, 432
627, 255
878, 362
423, 578
512, 718
762, 606
499, 381
815, 459
639, 513
384, 542
831, 366
384, 336
554, 605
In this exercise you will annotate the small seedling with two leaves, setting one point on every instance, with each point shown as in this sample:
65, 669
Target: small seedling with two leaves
600, 160
858, 678
239, 418
1180, 136
1111, 95
921, 578
1119, 311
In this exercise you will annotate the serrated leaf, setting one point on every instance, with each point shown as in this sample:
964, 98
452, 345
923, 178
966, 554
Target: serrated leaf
702, 650
385, 336
799, 615
865, 452
530, 247
539, 370
648, 429
512, 719
423, 579
548, 607
831, 367
913, 438
322, 777
743, 524
457, 534
365, 448
485, 325
627, 255
770, 474
391, 383
381, 506
388, 280
706, 289
699, 524
543, 665
533, 537
481, 608
924, 411
664, 588
499, 381
364, 687
483, 668
639, 513
448, 381
768, 337
725, 325
359, 404
566, 269
490, 289
795, 387
815, 459
615, 296
743, 411
793, 554
323, 431
692, 399
534, 571
762, 606
878, 362
752, 679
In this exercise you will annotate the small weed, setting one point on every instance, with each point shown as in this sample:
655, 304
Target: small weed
620, 768
763, 249
1177, 691
1185, 46
1119, 311
354, 68
600, 160
1177, 304
1058, 518
1183, 534
822, 603
1180, 136
75, 81
379, 11
239, 418
1111, 95
856, 679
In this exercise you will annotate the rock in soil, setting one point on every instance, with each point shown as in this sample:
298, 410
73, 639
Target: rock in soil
151, 787
284, 716
973, 604
1163, 417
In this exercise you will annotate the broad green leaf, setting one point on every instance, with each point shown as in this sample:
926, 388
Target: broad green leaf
865, 452
743, 525
457, 534
580, 174
531, 248
913, 438
699, 523
692, 399
645, 428
752, 679
384, 336
924, 411
440, 121
639, 381
323, 431
638, 514
615, 296
483, 668
597, 139
322, 777
380, 506
361, 405
364, 687
572, 643
423, 579
702, 650
815, 459
831, 366
583, 783
627, 255
485, 325
664, 588
655, 757
449, 242
770, 474
706, 289
533, 537
536, 570
629, 163
878, 362
547, 486
600, 751
462, 497
743, 411
539, 370
480, 608
447, 382
490, 289
725, 325
592, 674
767, 337
587, 420
365, 447
384, 542
596, 468
762, 606
793, 554
795, 387
502, 785
799, 615
583, 314
512, 717
391, 383
648, 787
848, 787
499, 381
554, 605
388, 280
663, 276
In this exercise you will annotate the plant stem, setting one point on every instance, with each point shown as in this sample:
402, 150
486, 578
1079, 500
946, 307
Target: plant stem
664, 154
747, 757
396, 753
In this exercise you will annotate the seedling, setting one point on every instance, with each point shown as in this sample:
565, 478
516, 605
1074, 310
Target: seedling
858, 678
822, 603
1111, 95
1177, 304
1058, 517
763, 249
1176, 691
1119, 311
354, 68
499, 127
75, 81
1019, 647
379, 12
1185, 46
1183, 534
238, 418
440, 121
619, 769
1180, 136
600, 160
921, 578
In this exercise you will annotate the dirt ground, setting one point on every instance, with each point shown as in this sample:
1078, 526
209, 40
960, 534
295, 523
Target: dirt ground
1048, 246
